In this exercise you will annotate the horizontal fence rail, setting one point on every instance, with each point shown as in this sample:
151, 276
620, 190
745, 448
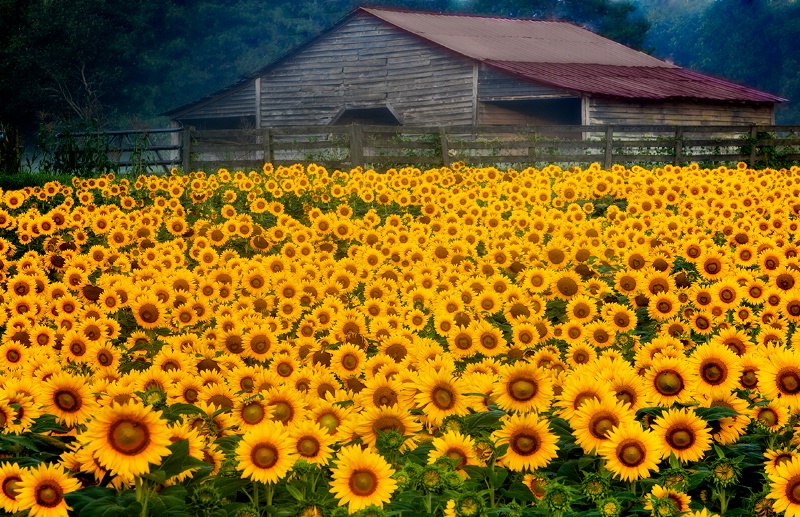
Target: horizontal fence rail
390, 146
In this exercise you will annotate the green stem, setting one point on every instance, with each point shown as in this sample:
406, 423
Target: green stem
270, 491
142, 495
723, 502
255, 494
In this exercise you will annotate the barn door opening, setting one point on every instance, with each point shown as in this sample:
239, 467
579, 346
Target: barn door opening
378, 116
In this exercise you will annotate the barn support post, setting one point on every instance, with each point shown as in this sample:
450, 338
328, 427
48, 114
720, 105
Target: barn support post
753, 146
445, 146
609, 156
356, 145
186, 149
266, 141
678, 155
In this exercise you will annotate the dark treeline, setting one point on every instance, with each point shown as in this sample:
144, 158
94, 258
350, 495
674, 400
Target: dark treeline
115, 63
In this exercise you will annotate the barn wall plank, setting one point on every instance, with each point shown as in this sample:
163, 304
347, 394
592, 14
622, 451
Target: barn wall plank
612, 111
366, 63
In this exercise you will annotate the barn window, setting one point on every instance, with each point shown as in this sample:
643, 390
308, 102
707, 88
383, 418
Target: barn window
379, 116
563, 111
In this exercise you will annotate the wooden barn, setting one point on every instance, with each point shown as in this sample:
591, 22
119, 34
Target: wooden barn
399, 67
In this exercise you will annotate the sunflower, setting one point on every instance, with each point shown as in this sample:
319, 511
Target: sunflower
68, 398
682, 433
576, 391
595, 419
286, 404
663, 306
776, 457
728, 430
375, 420
10, 476
382, 391
772, 416
488, 339
779, 376
566, 284
712, 265
785, 488
41, 490
362, 478
523, 387
678, 500
628, 387
735, 339
265, 453
311, 442
717, 368
631, 452
440, 395
669, 380
348, 360
456, 447
150, 312
620, 317
127, 438
531, 444
581, 309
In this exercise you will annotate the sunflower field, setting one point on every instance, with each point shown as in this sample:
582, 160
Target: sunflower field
456, 341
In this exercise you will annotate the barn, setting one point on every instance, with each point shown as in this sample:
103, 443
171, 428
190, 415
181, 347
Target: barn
400, 67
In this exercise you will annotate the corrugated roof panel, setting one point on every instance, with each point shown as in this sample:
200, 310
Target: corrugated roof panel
635, 82
521, 40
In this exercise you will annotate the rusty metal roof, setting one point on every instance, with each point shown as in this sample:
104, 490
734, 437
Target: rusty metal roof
635, 82
523, 40
566, 56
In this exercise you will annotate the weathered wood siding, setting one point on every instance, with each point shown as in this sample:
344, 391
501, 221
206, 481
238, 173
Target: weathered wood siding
367, 63
494, 85
240, 101
677, 113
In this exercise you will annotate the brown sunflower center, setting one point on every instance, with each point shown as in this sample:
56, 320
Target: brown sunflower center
458, 456
253, 413
148, 313
567, 286
308, 446
282, 411
388, 423
793, 489
49, 494
602, 424
67, 401
524, 444
363, 483
264, 455
680, 438
789, 382
713, 373
489, 341
329, 422
10, 487
350, 361
259, 344
749, 379
712, 266
768, 417
668, 382
631, 454
442, 397
523, 389
384, 396
129, 437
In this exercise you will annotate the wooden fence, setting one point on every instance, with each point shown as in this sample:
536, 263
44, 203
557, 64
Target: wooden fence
382, 147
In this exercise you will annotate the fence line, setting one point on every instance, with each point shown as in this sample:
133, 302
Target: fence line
387, 146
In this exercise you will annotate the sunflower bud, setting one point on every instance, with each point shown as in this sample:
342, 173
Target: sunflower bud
557, 498
609, 507
726, 471
595, 486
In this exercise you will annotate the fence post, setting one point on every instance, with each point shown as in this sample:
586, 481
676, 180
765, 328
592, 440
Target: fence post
356, 146
678, 147
266, 139
609, 158
445, 146
186, 149
753, 146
